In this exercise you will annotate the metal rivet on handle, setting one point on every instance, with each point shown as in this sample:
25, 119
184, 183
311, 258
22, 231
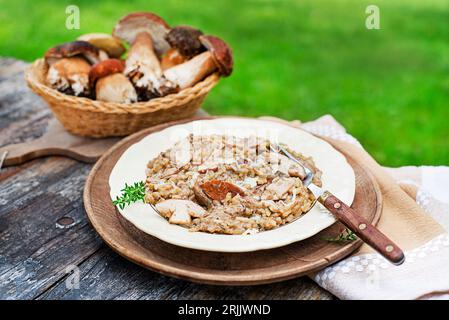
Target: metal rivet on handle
362, 226
337, 205
389, 248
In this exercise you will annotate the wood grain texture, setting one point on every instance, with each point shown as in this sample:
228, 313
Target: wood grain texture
23, 115
250, 268
35, 252
106, 276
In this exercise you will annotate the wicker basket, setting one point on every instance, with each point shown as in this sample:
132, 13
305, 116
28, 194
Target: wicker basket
93, 118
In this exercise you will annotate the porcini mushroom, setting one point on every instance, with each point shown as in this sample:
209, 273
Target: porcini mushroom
185, 44
179, 211
71, 49
134, 23
146, 34
110, 83
69, 68
278, 188
283, 164
218, 189
217, 57
201, 196
70, 76
112, 46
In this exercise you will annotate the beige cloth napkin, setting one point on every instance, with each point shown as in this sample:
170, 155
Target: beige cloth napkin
415, 215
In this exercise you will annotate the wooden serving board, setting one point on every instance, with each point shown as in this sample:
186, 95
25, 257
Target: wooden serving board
56, 141
250, 268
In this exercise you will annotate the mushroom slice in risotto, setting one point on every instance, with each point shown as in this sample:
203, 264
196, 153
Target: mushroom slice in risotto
283, 164
278, 188
201, 196
217, 189
180, 211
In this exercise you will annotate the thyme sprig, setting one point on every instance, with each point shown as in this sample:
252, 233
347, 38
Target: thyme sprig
344, 237
130, 194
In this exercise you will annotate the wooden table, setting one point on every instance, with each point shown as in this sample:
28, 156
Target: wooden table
38, 249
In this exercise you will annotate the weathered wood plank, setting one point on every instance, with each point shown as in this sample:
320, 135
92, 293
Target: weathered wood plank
10, 67
106, 275
34, 251
23, 115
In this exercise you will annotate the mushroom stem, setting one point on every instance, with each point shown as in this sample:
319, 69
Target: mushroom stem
192, 71
115, 88
143, 51
144, 69
102, 55
70, 75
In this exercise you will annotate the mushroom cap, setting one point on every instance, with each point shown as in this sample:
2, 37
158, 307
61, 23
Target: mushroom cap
70, 49
221, 53
103, 41
134, 23
186, 40
105, 68
218, 189
72, 65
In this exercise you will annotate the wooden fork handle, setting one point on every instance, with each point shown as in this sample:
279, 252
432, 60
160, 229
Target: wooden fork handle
362, 228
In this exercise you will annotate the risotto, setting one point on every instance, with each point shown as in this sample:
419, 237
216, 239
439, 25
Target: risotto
228, 185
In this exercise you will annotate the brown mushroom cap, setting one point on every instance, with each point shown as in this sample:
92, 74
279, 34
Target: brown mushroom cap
110, 44
221, 53
134, 23
105, 68
186, 40
74, 48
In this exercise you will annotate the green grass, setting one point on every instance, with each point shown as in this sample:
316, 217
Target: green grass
298, 60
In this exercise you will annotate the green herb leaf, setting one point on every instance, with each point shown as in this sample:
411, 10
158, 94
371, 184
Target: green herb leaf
130, 194
345, 237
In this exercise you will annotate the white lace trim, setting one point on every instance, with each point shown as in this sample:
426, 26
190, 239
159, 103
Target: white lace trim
371, 262
330, 132
424, 200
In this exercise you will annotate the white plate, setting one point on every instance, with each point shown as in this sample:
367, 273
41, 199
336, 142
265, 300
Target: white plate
338, 177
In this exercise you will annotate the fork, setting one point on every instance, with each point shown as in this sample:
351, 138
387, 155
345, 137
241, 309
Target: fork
345, 214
